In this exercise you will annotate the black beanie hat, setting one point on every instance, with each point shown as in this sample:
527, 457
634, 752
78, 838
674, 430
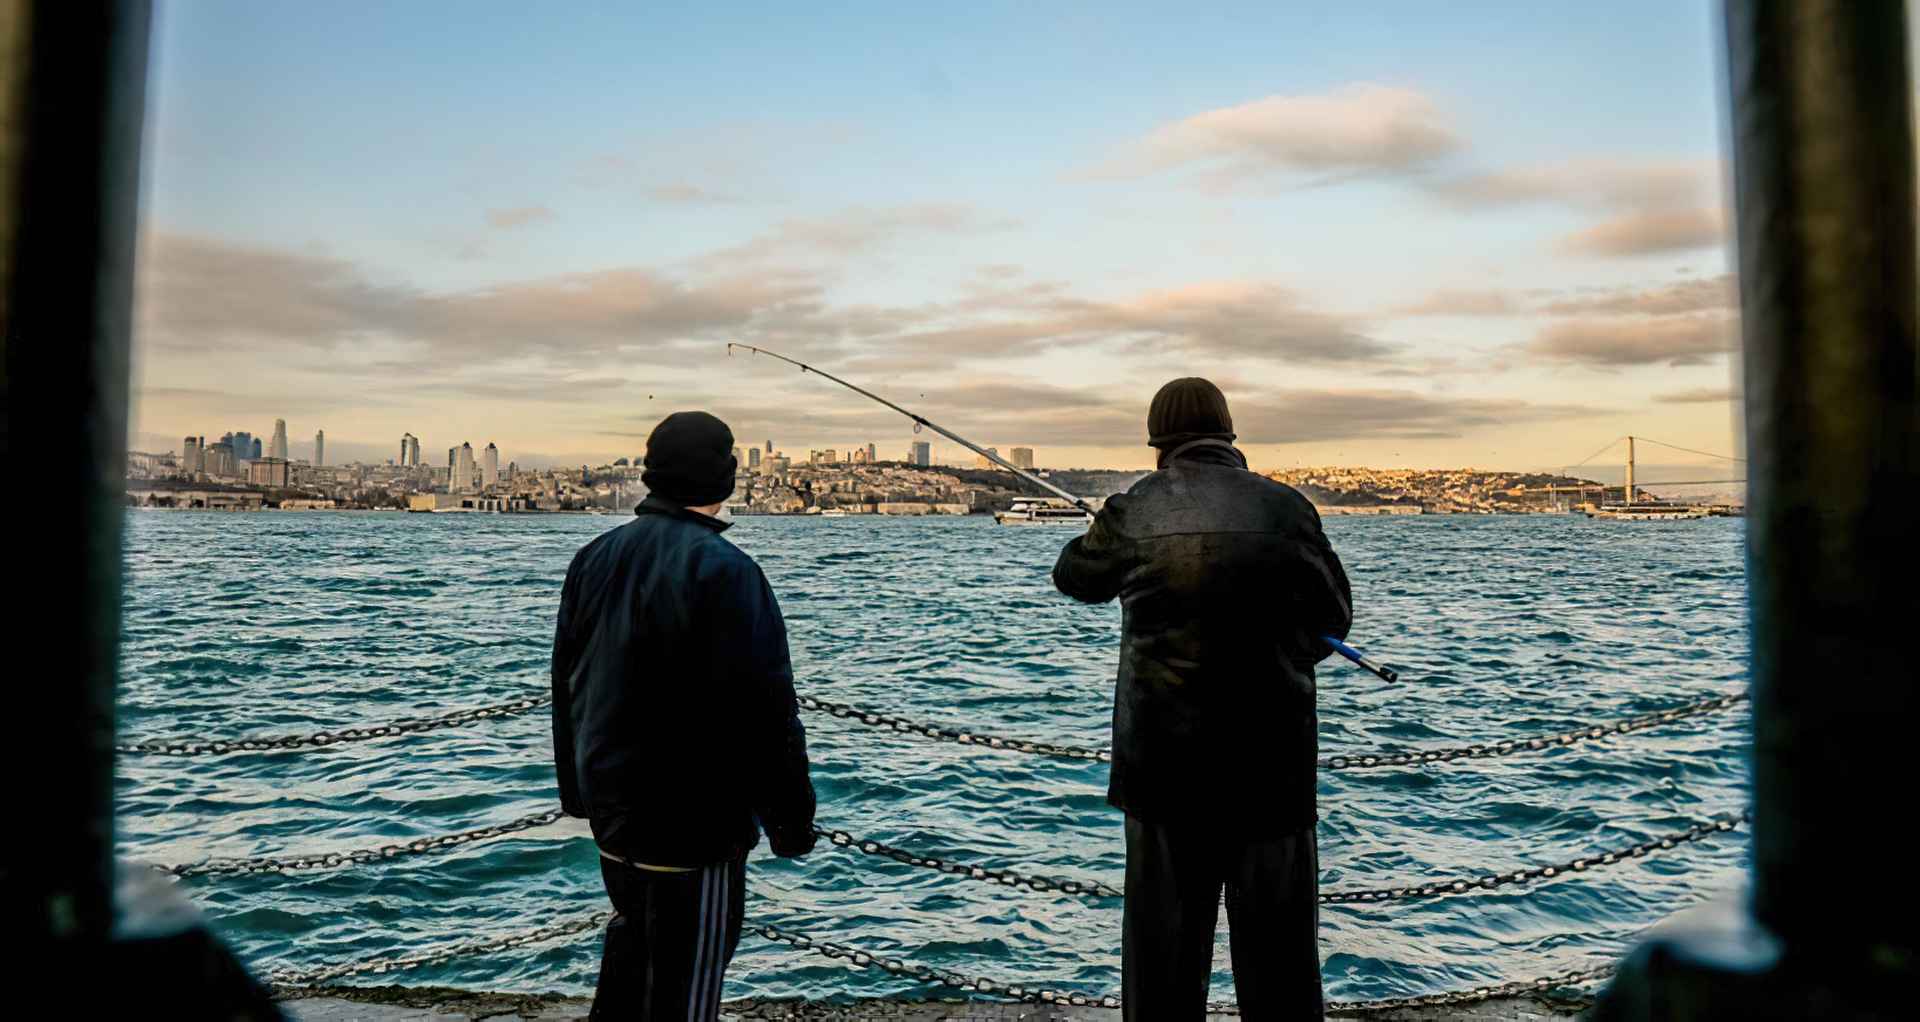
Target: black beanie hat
690, 460
1189, 408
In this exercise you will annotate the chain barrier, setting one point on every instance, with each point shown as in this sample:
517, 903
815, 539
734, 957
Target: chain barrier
945, 734
286, 978
1478, 750
359, 856
1094, 889
291, 979
1561, 740
321, 739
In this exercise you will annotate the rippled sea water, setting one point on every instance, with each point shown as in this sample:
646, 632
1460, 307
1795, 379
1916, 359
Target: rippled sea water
280, 623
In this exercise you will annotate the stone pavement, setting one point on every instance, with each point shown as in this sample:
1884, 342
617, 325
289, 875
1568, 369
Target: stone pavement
439, 1004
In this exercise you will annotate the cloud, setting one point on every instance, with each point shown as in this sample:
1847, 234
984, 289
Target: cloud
1647, 233
691, 195
1356, 129
1646, 208
856, 230
1698, 395
1634, 341
1462, 303
518, 216
1703, 294
1298, 416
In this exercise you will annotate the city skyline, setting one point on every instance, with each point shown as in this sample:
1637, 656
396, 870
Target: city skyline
1388, 247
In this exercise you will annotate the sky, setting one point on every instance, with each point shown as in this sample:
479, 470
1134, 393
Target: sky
1396, 234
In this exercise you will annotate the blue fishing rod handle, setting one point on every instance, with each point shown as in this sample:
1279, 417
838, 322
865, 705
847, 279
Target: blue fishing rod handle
1385, 673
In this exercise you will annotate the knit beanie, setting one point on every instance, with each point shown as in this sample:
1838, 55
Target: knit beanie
690, 460
1189, 408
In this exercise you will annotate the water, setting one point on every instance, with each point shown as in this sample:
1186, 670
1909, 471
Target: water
291, 622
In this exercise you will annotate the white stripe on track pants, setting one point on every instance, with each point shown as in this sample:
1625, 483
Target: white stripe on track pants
669, 942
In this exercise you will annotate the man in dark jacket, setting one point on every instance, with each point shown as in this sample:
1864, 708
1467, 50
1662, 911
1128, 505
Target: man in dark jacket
675, 728
1227, 586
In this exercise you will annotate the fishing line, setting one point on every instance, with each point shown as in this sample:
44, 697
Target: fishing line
1383, 673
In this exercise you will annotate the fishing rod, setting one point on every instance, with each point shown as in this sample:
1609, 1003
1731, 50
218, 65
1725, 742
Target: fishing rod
920, 420
1383, 673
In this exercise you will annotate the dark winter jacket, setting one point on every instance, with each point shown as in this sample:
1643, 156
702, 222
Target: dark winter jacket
1227, 585
675, 729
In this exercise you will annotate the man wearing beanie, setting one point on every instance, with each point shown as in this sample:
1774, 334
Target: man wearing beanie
1228, 586
675, 728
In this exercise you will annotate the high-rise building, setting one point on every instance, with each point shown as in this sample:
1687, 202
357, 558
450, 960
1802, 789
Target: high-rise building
490, 466
982, 461
873, 454
319, 447
461, 471
1022, 457
753, 459
242, 443
193, 455
920, 455
219, 460
256, 455
769, 447
279, 448
268, 472
409, 450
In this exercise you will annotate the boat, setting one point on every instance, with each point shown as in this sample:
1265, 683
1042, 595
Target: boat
1647, 512
1042, 511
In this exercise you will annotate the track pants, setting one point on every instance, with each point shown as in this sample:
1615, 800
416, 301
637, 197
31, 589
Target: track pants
1174, 877
669, 942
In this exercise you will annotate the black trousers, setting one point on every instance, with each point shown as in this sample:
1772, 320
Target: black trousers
1174, 877
669, 942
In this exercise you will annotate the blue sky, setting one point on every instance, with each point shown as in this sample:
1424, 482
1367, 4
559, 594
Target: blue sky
1413, 234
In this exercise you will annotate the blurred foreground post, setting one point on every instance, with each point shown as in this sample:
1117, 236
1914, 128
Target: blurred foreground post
1822, 130
99, 943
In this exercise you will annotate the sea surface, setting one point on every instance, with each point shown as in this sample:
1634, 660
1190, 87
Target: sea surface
287, 623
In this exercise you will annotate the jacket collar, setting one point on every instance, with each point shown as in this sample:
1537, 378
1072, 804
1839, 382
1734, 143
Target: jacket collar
1205, 451
653, 505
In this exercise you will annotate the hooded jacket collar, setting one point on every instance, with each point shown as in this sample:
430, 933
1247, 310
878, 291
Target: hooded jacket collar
653, 505
1206, 451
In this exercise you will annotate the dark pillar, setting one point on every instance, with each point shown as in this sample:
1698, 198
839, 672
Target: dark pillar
1821, 123
73, 90
93, 941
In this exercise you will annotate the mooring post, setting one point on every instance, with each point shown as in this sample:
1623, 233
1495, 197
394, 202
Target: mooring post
1820, 106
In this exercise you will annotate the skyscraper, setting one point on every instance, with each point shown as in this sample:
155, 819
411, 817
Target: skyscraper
319, 447
769, 447
461, 471
242, 444
753, 459
256, 449
409, 450
1022, 457
490, 466
982, 461
193, 455
921, 454
873, 454
279, 448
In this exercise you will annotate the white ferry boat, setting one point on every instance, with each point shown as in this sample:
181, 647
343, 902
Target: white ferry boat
1042, 511
1647, 512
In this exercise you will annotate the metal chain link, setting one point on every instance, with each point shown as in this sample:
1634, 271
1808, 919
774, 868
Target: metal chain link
1360, 896
360, 856
1041, 995
904, 726
1006, 877
319, 739
464, 949
296, 978
1479, 750
1555, 741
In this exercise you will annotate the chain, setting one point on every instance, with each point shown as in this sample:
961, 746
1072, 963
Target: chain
1495, 881
904, 726
1037, 884
1094, 889
1040, 995
1556, 741
465, 949
360, 856
405, 726
859, 958
1446, 755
